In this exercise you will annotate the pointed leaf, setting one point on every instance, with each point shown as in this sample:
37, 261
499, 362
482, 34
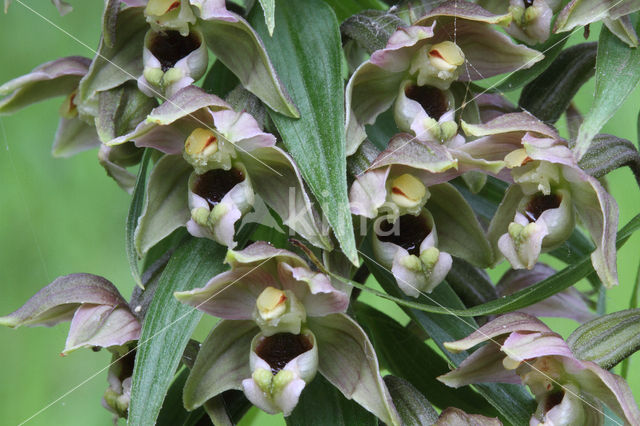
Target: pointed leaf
609, 339
220, 80
73, 135
371, 28
135, 209
269, 8
316, 141
617, 74
173, 412
347, 8
548, 96
238, 46
168, 325
322, 404
165, 208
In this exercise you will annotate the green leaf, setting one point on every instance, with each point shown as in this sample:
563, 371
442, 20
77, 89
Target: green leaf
518, 300
548, 96
135, 208
227, 408
381, 132
168, 325
608, 339
371, 28
617, 74
322, 404
413, 407
417, 362
551, 49
317, 140
471, 284
607, 153
511, 401
346, 8
269, 6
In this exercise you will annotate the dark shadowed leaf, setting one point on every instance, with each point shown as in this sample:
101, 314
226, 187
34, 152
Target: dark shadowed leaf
413, 407
322, 404
316, 140
371, 28
607, 153
548, 96
135, 208
220, 80
173, 412
346, 8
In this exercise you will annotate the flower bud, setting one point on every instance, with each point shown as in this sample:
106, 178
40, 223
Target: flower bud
172, 61
438, 66
279, 311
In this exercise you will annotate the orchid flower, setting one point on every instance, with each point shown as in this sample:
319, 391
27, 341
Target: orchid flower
99, 315
216, 161
281, 322
419, 64
420, 220
538, 211
522, 349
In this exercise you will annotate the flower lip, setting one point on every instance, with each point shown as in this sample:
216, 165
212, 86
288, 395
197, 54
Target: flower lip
169, 47
433, 100
540, 203
214, 184
407, 232
277, 350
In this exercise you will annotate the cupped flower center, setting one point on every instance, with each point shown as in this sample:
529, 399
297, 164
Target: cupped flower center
431, 99
272, 303
407, 191
215, 184
540, 203
277, 350
170, 46
408, 232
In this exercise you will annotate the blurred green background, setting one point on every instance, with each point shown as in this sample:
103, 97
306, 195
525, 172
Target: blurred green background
60, 216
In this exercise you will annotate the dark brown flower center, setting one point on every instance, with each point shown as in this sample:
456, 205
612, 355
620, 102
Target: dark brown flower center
541, 203
214, 184
408, 232
528, 3
279, 349
552, 400
432, 100
169, 47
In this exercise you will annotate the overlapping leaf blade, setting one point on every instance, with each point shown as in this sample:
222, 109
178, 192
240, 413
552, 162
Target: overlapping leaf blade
306, 52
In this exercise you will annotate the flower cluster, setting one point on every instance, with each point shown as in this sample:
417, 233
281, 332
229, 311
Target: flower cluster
221, 170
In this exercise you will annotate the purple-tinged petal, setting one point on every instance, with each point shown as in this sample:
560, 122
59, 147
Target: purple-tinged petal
370, 91
456, 417
165, 208
125, 179
213, 9
168, 125
504, 324
239, 47
482, 366
260, 253
504, 216
520, 347
599, 213
553, 150
103, 326
49, 80
518, 122
521, 245
313, 289
493, 105
57, 301
623, 29
349, 362
230, 295
242, 129
222, 362
406, 150
368, 192
464, 10
62, 6
568, 303
402, 45
73, 136
277, 180
533, 23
